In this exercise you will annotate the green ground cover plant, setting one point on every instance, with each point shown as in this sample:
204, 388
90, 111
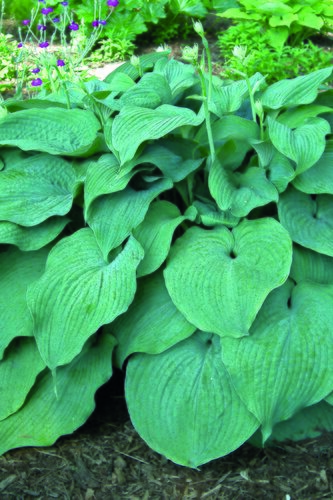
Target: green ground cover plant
277, 35
179, 226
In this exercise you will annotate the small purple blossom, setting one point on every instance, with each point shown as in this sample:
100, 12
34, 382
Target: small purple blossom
112, 3
64, 4
41, 1
25, 22
46, 10
35, 70
60, 62
56, 20
95, 23
102, 22
37, 82
43, 45
20, 45
41, 27
73, 26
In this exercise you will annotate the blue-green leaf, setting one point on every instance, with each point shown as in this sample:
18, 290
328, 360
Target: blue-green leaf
183, 403
152, 323
219, 279
53, 130
78, 293
308, 219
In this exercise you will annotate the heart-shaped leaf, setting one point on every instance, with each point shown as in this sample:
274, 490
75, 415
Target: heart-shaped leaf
183, 403
78, 293
219, 278
284, 365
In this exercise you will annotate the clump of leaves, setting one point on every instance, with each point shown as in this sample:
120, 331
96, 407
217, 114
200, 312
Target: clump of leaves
276, 63
284, 22
182, 224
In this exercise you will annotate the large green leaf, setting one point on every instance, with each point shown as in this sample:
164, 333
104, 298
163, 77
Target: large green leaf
78, 293
134, 125
308, 219
152, 323
45, 417
156, 231
183, 403
113, 217
304, 145
151, 91
311, 266
17, 271
319, 178
104, 176
240, 192
219, 278
18, 371
179, 76
53, 130
229, 98
299, 90
38, 187
32, 238
284, 365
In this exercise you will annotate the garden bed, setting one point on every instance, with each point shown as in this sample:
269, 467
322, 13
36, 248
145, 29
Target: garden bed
106, 459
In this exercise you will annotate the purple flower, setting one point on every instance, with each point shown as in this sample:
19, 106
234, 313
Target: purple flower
35, 70
60, 62
64, 4
103, 23
20, 45
112, 3
43, 45
46, 10
41, 27
36, 82
41, 1
25, 22
95, 23
56, 20
73, 26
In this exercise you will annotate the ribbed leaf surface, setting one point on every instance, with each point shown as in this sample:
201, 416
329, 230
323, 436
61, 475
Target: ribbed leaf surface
219, 278
183, 403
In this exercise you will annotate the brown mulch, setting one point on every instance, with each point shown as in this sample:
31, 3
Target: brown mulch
106, 459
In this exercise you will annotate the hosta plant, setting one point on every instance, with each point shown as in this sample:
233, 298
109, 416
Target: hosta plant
180, 226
